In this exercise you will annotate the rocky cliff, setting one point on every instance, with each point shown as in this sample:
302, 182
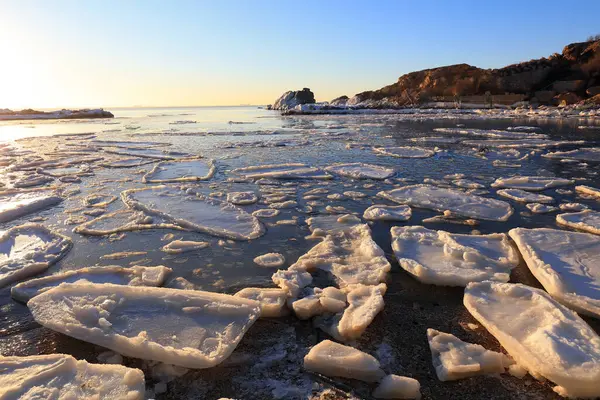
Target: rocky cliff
560, 79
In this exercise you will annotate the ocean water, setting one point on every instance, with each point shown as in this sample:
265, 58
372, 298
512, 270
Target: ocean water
238, 137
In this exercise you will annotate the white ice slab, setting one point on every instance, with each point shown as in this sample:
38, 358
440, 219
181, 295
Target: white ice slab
493, 133
127, 163
60, 376
585, 154
351, 256
27, 250
587, 220
398, 387
18, 205
282, 171
322, 225
457, 202
588, 190
184, 246
242, 198
361, 171
180, 171
566, 263
539, 208
195, 212
446, 259
541, 335
380, 212
454, 359
270, 260
334, 359
532, 183
157, 154
272, 301
365, 302
135, 276
404, 151
524, 196
189, 328
125, 220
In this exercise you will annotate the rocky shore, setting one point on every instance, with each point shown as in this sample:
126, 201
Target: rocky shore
9, 115
569, 79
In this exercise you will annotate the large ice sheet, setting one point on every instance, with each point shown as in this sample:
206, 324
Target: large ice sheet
351, 256
180, 171
127, 162
17, 205
457, 202
26, 250
125, 220
282, 171
446, 259
189, 328
60, 376
587, 220
586, 154
135, 276
157, 154
404, 151
454, 359
541, 335
533, 183
195, 212
524, 196
361, 171
334, 359
566, 263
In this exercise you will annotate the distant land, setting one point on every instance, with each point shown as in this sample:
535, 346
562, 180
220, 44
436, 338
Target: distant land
569, 78
9, 115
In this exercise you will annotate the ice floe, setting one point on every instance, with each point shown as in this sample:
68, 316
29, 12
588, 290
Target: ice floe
26, 250
266, 213
573, 207
404, 151
454, 359
539, 208
520, 143
20, 204
282, 171
136, 276
336, 360
586, 220
457, 202
270, 260
361, 171
566, 263
61, 376
242, 198
532, 183
272, 301
493, 133
524, 196
125, 220
184, 246
585, 154
180, 171
189, 328
588, 190
126, 163
194, 211
541, 335
380, 212
157, 154
398, 387
446, 259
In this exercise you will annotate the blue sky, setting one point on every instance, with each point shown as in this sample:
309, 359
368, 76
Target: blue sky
59, 53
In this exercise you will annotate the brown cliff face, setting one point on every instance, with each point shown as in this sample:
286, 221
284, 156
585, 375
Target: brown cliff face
574, 71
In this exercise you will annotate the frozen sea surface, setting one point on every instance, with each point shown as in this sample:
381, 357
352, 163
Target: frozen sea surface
268, 362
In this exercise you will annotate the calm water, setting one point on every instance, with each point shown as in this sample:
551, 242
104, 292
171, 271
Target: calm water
244, 136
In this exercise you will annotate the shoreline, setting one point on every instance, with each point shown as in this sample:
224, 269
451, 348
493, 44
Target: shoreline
98, 113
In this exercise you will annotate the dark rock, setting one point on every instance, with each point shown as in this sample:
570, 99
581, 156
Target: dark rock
545, 96
292, 98
565, 99
593, 91
339, 101
568, 86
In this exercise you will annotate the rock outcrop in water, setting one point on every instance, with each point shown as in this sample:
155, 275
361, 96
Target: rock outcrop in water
560, 79
292, 98
6, 114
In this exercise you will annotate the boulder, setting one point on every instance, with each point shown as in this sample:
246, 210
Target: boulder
544, 96
292, 98
339, 101
565, 99
568, 86
593, 91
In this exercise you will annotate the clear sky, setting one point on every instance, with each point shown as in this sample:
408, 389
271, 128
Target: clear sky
84, 53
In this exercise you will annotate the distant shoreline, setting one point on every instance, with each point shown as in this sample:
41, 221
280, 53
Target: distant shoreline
29, 114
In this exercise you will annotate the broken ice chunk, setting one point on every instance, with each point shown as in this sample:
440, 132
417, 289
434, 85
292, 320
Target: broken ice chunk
457, 202
272, 301
365, 302
324, 224
398, 387
541, 335
566, 263
587, 154
291, 280
454, 359
588, 190
282, 171
125, 220
539, 208
404, 151
242, 198
16, 205
136, 276
379, 212
525, 197
587, 220
189, 328
442, 258
533, 183
361, 171
26, 250
334, 359
60, 376
270, 260
573, 207
184, 246
180, 171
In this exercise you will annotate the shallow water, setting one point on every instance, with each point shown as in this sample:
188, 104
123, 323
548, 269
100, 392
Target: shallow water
255, 137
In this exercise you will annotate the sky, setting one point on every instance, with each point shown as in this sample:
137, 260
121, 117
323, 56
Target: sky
80, 53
